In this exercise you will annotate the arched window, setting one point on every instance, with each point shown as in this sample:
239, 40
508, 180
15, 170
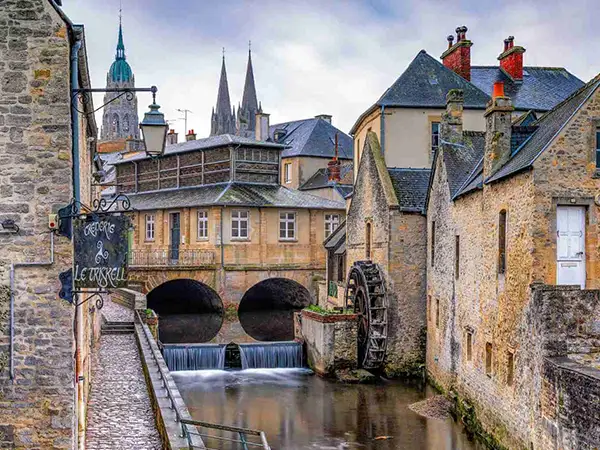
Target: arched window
368, 240
502, 242
126, 125
116, 129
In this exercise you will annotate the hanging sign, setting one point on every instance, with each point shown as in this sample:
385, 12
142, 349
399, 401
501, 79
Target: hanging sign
101, 249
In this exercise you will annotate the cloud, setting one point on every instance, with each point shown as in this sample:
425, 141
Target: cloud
313, 57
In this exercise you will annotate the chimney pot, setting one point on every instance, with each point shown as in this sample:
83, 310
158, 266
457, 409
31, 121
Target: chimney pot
191, 136
450, 40
498, 89
458, 55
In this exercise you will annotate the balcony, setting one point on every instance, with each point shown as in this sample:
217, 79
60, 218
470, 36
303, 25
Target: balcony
170, 257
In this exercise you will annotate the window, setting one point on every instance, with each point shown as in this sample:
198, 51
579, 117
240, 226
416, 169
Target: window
488, 358
502, 242
202, 224
435, 137
149, 227
331, 223
239, 224
432, 243
469, 345
287, 172
437, 312
510, 368
368, 239
287, 226
598, 148
456, 256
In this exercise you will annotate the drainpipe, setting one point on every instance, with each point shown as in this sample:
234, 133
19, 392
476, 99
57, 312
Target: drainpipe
382, 130
79, 417
222, 246
13, 266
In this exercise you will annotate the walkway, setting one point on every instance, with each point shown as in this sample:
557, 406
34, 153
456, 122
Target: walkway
119, 415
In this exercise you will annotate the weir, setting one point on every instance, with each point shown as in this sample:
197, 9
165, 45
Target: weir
194, 357
274, 355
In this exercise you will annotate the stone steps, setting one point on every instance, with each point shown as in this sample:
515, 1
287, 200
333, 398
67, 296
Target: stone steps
118, 328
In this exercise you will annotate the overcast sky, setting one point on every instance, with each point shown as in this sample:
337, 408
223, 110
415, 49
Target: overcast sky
317, 57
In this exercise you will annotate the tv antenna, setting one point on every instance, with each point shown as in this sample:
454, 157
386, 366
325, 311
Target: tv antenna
185, 114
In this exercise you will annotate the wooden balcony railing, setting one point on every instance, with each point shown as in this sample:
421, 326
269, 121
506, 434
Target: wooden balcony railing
171, 257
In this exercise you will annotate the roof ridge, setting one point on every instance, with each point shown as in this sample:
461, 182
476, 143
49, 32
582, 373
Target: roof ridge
410, 168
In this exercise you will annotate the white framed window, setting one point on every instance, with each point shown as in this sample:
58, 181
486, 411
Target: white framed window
287, 173
287, 226
203, 224
149, 227
240, 224
331, 223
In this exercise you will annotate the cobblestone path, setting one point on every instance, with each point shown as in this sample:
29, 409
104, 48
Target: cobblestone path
119, 413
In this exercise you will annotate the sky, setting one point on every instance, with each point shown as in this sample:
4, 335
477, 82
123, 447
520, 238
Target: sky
315, 57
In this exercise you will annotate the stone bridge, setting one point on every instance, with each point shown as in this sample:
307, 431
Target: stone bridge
222, 304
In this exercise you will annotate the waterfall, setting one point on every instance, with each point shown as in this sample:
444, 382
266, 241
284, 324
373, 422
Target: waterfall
194, 357
271, 355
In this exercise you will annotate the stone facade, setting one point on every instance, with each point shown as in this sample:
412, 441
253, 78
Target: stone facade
476, 345
398, 245
37, 408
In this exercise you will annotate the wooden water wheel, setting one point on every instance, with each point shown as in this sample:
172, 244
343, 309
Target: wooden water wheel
365, 294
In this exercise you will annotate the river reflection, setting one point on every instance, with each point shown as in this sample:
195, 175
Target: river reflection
298, 410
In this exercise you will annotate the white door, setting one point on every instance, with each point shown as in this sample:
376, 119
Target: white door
570, 245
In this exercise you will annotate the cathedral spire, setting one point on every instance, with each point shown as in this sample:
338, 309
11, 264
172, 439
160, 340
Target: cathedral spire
120, 45
223, 121
249, 100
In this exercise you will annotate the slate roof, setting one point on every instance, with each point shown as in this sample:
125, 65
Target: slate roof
548, 126
460, 160
231, 194
410, 186
312, 137
203, 144
542, 88
320, 179
338, 235
426, 81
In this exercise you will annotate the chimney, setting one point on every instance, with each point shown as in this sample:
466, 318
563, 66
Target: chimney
498, 116
458, 56
333, 166
511, 59
325, 117
171, 137
262, 126
451, 127
190, 136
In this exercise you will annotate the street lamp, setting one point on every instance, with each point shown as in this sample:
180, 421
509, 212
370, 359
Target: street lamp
154, 129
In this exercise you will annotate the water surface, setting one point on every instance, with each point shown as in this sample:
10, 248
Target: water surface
299, 411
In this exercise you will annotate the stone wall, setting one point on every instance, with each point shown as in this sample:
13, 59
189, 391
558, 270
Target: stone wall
399, 242
330, 340
487, 308
128, 298
37, 408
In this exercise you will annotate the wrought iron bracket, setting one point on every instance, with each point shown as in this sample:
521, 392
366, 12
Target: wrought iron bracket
97, 295
84, 95
72, 296
100, 206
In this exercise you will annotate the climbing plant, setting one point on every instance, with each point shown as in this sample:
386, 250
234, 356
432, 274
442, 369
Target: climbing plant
4, 312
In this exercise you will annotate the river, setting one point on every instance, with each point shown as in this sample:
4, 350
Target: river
298, 411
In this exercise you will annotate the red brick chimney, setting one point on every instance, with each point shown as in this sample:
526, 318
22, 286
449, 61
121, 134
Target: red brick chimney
458, 56
190, 136
511, 59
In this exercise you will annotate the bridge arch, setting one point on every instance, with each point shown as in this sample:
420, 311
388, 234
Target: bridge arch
189, 311
266, 311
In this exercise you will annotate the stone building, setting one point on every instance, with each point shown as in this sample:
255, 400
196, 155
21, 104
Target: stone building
512, 271
406, 118
386, 225
211, 212
44, 358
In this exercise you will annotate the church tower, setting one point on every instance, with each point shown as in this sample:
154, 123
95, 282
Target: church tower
120, 118
246, 117
223, 117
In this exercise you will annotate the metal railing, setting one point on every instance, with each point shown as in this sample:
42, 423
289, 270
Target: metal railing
243, 434
189, 427
171, 257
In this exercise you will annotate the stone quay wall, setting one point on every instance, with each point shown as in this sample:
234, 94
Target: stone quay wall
330, 341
